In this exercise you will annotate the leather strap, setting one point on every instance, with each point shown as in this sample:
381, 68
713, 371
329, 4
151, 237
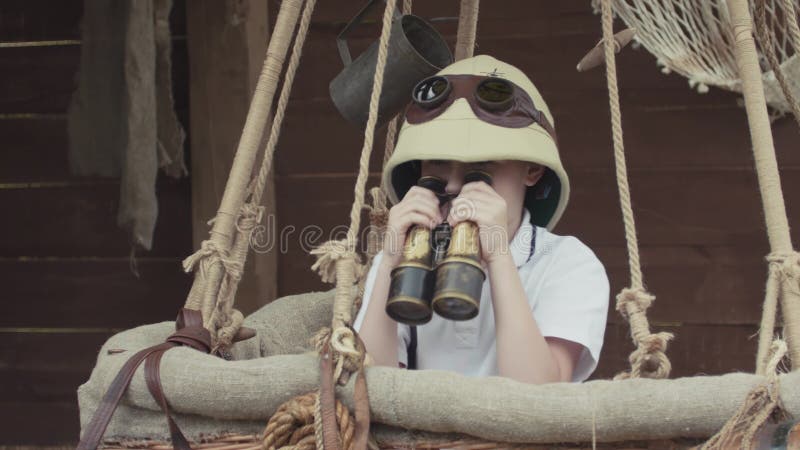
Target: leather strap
152, 375
102, 416
190, 333
327, 401
361, 400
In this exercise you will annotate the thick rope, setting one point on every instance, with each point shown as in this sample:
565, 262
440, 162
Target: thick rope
283, 101
467, 29
792, 28
252, 212
293, 424
391, 129
761, 403
337, 260
769, 313
766, 165
224, 224
767, 47
649, 359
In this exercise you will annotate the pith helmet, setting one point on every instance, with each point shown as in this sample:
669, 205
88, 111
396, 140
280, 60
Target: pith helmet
458, 134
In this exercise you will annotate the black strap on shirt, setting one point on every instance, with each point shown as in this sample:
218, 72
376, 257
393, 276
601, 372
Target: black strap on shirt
411, 349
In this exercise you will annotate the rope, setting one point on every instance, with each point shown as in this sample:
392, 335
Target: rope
283, 101
793, 29
391, 136
761, 403
768, 314
252, 212
467, 29
293, 424
224, 224
337, 261
766, 166
767, 47
648, 359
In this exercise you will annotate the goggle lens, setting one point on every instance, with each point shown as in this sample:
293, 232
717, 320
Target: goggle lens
430, 92
494, 94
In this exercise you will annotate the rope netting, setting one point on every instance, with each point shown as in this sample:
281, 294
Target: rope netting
696, 39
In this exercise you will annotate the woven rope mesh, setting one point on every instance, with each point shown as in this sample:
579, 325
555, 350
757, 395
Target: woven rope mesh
694, 38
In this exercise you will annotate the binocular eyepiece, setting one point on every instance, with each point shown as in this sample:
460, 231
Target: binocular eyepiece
440, 270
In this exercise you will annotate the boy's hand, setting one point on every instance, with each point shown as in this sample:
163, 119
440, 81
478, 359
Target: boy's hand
480, 203
420, 206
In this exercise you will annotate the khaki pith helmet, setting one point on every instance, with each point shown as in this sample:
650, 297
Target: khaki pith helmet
457, 134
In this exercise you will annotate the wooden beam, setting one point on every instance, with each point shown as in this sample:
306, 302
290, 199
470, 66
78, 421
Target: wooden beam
227, 41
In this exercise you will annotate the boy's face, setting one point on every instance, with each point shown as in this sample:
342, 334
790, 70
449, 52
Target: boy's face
510, 179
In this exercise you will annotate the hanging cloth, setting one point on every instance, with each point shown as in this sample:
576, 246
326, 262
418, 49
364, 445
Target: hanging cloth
121, 119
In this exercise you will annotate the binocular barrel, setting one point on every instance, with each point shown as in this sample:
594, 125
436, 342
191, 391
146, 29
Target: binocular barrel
431, 279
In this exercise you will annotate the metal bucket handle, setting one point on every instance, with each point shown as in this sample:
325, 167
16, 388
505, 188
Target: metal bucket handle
341, 39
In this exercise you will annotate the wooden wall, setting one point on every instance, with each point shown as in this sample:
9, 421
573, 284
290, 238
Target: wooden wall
65, 267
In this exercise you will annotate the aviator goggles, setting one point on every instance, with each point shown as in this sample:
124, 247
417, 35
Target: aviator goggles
494, 100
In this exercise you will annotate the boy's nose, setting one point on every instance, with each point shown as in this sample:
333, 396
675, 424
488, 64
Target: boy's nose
455, 179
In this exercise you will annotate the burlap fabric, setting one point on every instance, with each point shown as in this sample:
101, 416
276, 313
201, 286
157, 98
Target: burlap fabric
121, 119
213, 396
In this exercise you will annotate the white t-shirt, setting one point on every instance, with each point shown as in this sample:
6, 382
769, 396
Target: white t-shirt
567, 290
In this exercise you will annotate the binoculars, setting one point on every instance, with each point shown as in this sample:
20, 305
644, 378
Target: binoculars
440, 270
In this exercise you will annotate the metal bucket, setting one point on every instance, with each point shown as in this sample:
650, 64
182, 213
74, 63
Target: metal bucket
416, 51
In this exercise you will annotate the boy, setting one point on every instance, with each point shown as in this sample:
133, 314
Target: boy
545, 298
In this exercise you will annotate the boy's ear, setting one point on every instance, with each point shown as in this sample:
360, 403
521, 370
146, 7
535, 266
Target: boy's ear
533, 173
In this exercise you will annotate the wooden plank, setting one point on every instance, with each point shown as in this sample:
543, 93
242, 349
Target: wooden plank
48, 366
226, 59
24, 425
40, 376
694, 285
79, 219
41, 79
674, 207
40, 20
37, 79
692, 139
92, 292
696, 350
35, 150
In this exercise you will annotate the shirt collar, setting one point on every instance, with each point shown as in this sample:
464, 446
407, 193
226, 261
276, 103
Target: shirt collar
520, 245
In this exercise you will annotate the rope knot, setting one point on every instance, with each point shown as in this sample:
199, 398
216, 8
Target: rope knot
233, 268
348, 351
788, 263
378, 212
328, 254
633, 300
249, 217
227, 332
208, 254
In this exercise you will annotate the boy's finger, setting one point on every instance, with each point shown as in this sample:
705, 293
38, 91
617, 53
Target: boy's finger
432, 212
421, 192
418, 218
